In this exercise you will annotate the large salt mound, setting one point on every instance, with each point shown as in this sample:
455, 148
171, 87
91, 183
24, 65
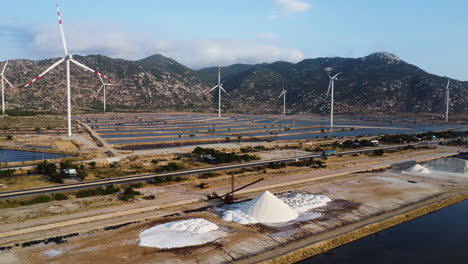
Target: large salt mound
265, 208
417, 169
182, 233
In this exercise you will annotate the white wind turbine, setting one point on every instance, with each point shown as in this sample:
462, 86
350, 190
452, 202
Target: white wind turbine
103, 87
331, 86
283, 93
447, 100
68, 57
220, 89
4, 79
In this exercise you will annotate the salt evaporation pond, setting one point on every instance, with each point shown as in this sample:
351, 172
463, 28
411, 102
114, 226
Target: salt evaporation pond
439, 237
9, 155
183, 233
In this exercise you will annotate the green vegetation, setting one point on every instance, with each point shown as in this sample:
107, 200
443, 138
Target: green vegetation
168, 179
222, 157
37, 200
110, 189
58, 175
92, 164
378, 152
60, 197
308, 163
7, 172
171, 166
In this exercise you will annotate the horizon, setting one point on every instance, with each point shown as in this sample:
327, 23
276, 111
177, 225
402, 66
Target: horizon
263, 32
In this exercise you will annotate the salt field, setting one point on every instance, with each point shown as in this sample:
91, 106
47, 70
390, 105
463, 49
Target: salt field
162, 130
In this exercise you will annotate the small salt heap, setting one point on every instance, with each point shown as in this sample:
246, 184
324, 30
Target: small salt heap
417, 169
182, 233
265, 208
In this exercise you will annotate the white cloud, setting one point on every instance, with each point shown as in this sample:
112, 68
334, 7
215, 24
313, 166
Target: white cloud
285, 7
85, 38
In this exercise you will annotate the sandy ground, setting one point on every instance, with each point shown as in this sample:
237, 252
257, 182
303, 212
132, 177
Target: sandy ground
355, 198
39, 214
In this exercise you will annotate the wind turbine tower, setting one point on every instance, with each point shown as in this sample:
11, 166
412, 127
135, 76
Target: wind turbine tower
220, 90
68, 58
4, 79
331, 87
283, 93
103, 87
447, 100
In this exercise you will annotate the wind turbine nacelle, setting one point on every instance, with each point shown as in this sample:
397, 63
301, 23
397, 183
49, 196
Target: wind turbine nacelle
69, 57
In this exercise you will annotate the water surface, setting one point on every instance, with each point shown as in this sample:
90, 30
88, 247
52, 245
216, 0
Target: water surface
437, 238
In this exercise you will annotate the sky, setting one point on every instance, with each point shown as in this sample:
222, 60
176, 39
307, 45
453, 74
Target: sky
431, 34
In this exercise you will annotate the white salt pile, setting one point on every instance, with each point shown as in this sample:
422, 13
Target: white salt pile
265, 208
417, 169
305, 202
182, 233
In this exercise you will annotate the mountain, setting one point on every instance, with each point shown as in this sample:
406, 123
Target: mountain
380, 82
210, 74
153, 83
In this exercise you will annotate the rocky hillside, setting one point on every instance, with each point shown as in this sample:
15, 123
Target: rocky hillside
155, 82
380, 82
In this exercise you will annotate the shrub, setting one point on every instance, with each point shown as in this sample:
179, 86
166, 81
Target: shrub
7, 172
9, 137
92, 164
378, 152
154, 161
130, 191
37, 200
60, 197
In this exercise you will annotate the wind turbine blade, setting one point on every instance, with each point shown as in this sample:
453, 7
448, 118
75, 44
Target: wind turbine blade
89, 69
448, 85
221, 87
4, 67
64, 42
46, 71
281, 95
11, 85
213, 88
336, 75
100, 88
329, 87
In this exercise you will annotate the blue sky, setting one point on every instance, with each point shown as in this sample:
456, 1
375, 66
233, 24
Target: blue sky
432, 34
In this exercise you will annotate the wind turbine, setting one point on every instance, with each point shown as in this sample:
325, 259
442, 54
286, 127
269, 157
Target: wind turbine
447, 100
4, 79
103, 86
331, 86
283, 93
68, 58
220, 89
